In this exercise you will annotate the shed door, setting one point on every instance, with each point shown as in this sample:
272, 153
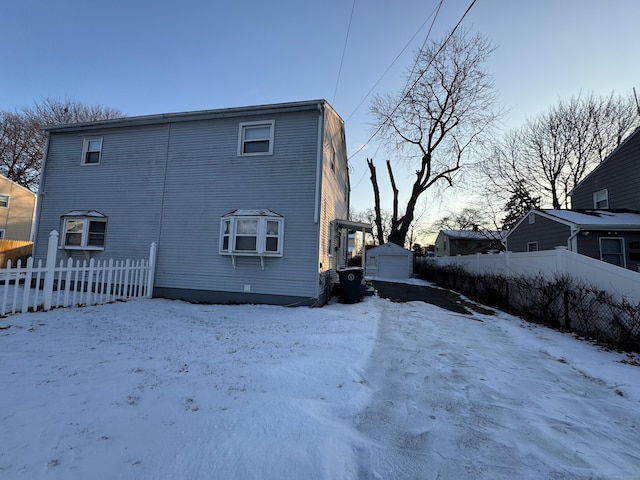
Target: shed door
392, 266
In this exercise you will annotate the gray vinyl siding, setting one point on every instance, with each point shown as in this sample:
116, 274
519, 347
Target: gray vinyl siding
335, 189
126, 187
170, 179
589, 245
619, 174
548, 233
206, 179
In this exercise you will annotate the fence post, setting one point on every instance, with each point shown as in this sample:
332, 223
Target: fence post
50, 265
152, 269
561, 262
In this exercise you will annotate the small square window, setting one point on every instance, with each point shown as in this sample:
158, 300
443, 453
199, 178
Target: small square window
256, 138
532, 246
4, 201
91, 151
601, 199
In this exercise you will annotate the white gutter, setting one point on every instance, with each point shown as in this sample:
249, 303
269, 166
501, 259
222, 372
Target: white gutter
572, 244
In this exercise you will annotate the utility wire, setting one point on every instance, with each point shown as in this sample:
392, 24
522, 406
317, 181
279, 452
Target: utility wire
416, 80
424, 44
344, 49
393, 62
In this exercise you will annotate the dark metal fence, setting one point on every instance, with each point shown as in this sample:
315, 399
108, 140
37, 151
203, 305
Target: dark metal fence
560, 302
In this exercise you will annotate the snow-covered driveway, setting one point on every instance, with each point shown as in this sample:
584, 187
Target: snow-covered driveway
480, 397
155, 389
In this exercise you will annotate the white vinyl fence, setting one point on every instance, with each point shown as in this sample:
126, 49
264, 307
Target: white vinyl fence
71, 284
620, 282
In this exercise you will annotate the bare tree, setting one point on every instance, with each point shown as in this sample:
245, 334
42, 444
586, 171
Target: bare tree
466, 219
22, 139
548, 155
379, 222
434, 123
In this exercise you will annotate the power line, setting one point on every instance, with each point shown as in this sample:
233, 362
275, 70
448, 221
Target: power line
344, 49
424, 44
416, 80
395, 60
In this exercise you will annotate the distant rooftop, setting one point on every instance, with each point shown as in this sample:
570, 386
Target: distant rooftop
474, 234
598, 218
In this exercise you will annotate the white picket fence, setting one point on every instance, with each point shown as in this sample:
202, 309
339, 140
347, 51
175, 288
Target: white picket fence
620, 282
67, 284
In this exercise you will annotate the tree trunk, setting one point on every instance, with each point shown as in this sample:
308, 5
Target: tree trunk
376, 196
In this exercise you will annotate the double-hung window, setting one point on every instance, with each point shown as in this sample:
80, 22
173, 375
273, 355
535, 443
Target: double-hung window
84, 231
601, 199
256, 138
612, 251
252, 233
91, 151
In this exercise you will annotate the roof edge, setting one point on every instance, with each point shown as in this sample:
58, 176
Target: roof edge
190, 115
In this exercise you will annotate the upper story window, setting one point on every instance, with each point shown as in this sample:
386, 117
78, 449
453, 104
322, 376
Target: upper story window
84, 230
91, 151
251, 233
601, 199
256, 138
4, 201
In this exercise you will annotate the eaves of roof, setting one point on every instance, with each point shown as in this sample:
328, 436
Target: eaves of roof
190, 116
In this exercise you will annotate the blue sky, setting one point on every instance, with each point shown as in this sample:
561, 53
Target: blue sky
147, 57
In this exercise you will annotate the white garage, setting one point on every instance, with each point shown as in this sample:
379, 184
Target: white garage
389, 261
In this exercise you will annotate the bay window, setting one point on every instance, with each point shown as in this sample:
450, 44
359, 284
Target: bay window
251, 233
84, 230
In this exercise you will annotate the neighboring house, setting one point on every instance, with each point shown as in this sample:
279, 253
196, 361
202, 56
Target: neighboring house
615, 183
246, 204
467, 242
389, 261
605, 220
17, 206
609, 235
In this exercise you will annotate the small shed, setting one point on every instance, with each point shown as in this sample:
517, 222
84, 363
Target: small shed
389, 261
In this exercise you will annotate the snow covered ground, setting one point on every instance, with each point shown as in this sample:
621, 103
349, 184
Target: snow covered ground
158, 389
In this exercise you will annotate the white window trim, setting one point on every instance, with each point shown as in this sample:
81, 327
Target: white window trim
85, 232
8, 200
604, 193
531, 244
266, 123
262, 220
622, 252
85, 149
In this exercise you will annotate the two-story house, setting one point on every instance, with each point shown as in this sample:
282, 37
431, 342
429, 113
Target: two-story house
604, 222
17, 206
246, 204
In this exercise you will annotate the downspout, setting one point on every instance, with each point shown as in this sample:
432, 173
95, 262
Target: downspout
572, 244
35, 221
